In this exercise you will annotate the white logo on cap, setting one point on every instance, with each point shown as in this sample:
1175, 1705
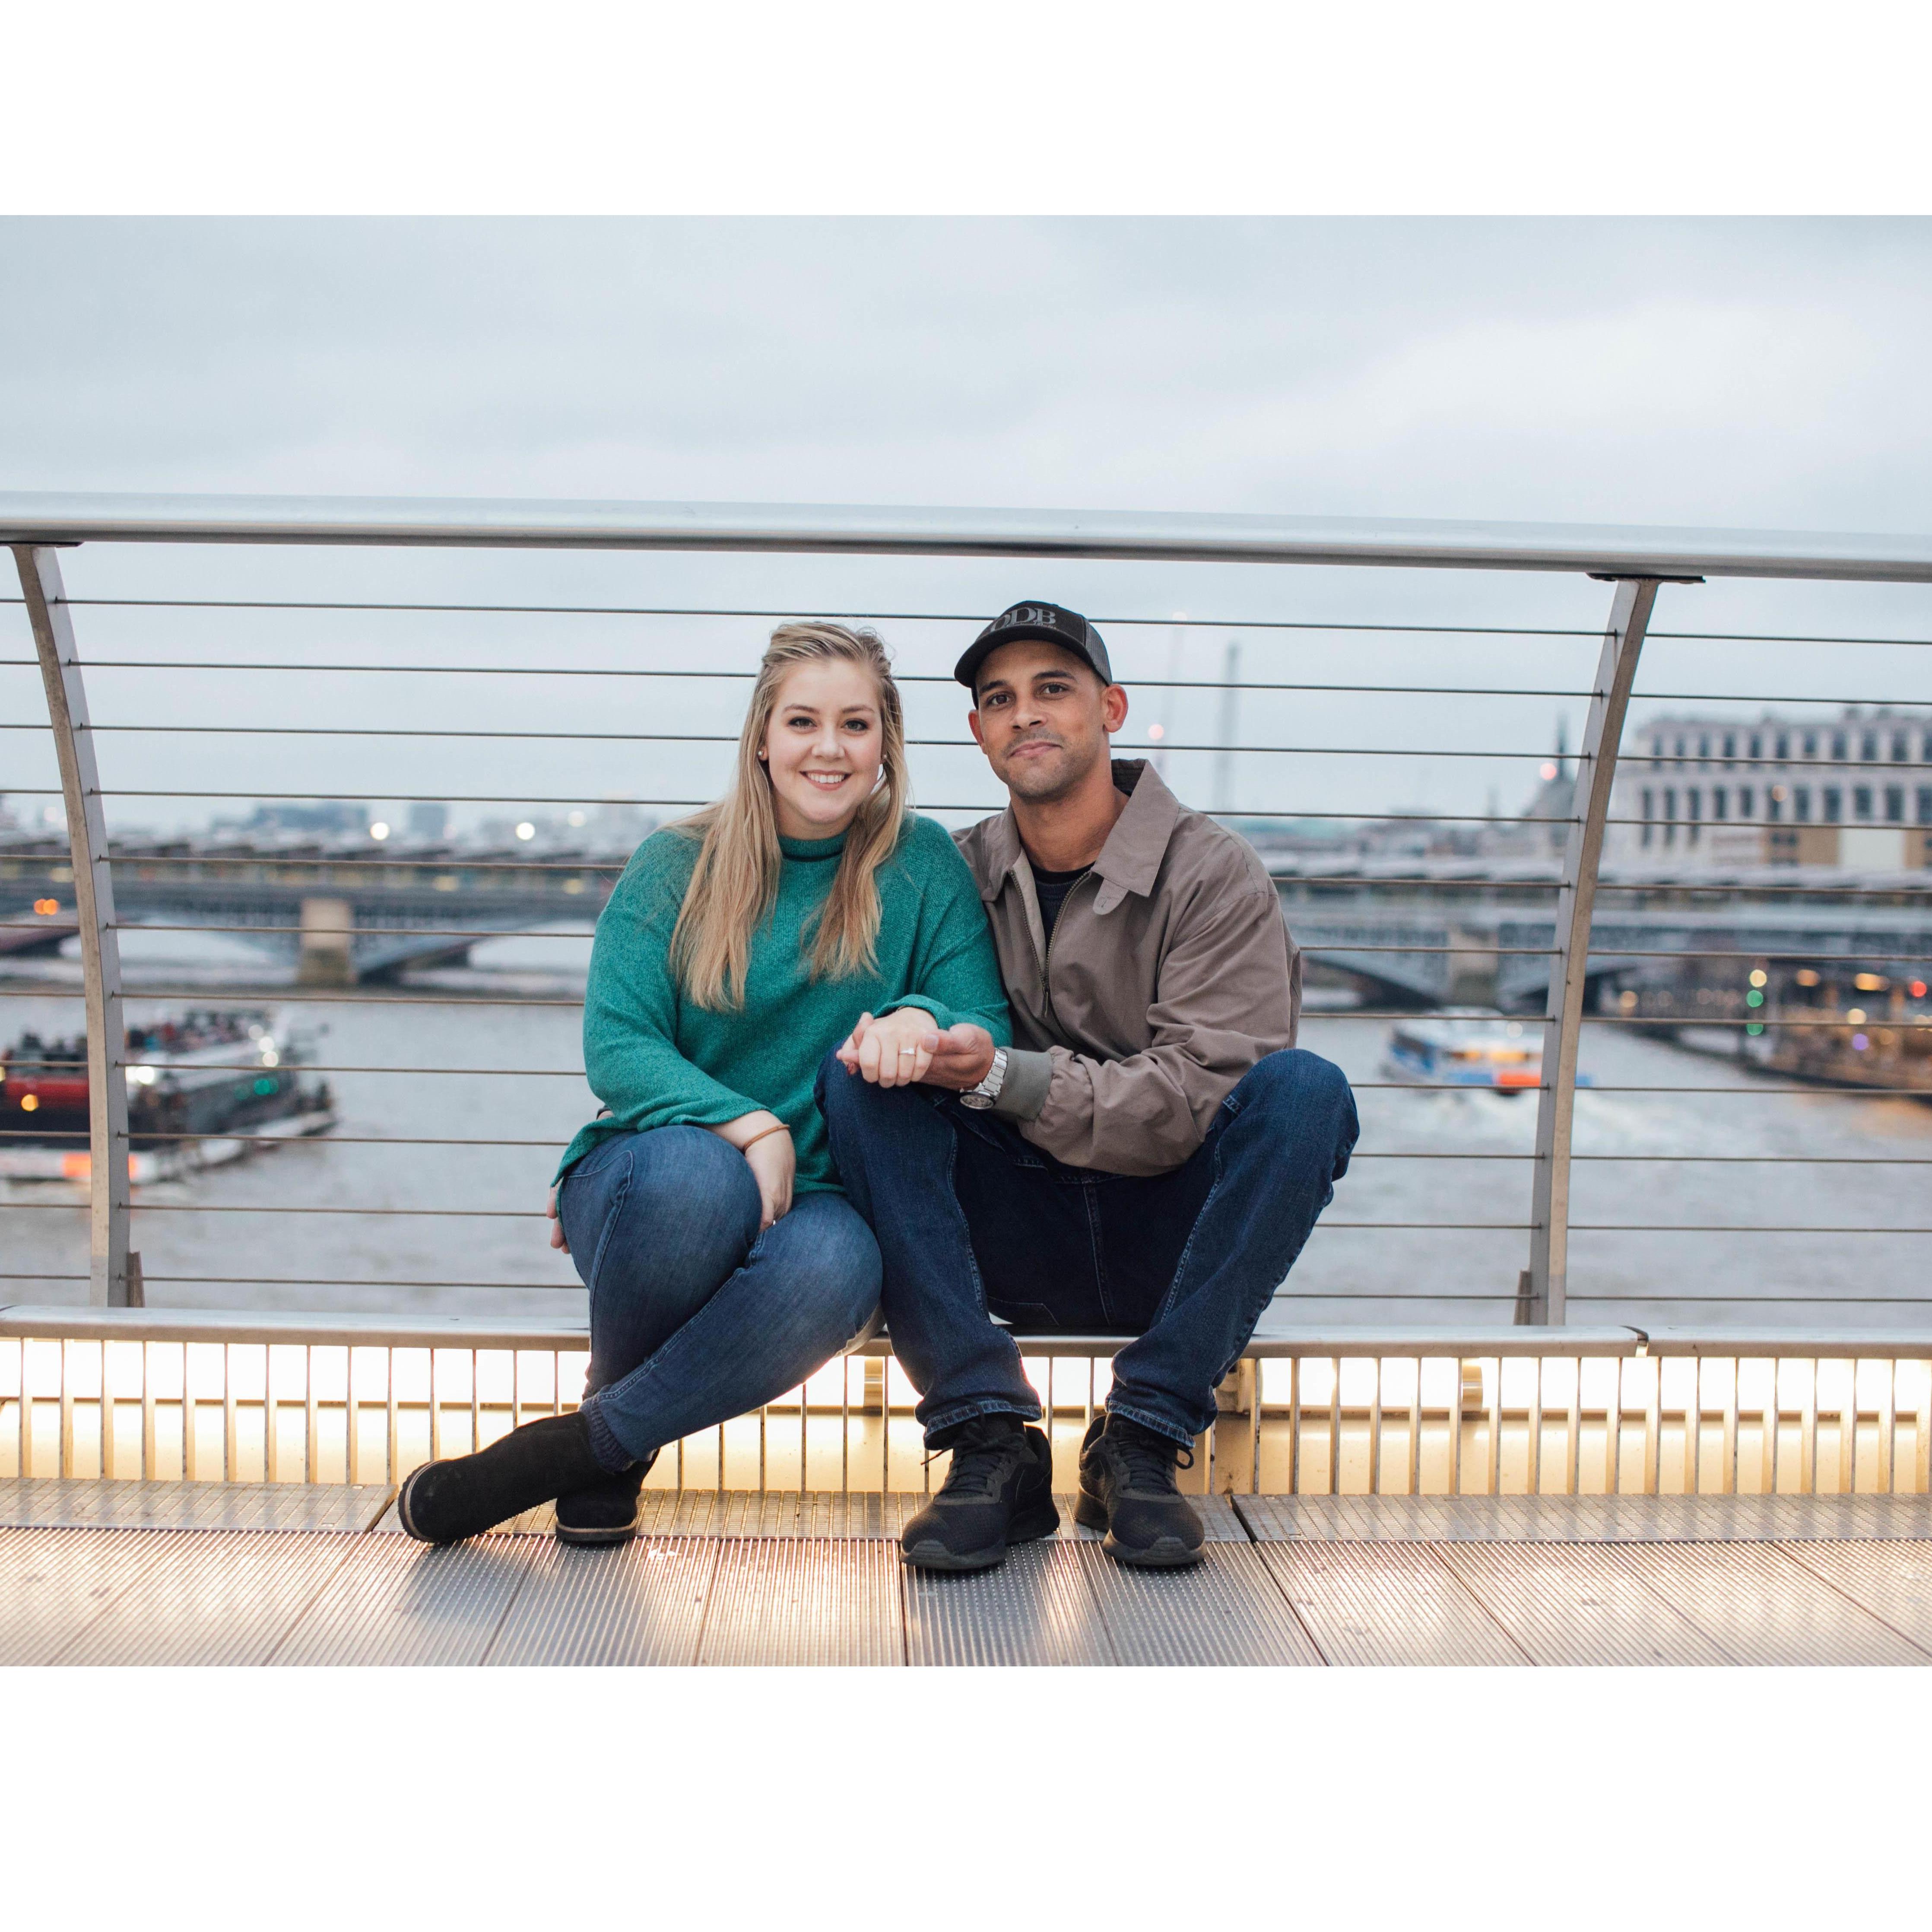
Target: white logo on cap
1029, 614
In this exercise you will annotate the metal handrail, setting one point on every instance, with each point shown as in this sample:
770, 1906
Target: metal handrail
1626, 550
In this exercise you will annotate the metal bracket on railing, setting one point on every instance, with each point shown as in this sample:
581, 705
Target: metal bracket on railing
1544, 1287
47, 611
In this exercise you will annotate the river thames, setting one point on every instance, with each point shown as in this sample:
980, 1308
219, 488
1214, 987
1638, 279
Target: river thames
473, 1214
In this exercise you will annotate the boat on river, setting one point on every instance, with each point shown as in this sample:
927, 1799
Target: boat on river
1469, 1046
204, 1089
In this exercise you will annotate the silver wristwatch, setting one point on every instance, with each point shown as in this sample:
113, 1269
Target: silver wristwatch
988, 1091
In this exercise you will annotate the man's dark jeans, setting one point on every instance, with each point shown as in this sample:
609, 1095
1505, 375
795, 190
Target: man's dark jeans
974, 1221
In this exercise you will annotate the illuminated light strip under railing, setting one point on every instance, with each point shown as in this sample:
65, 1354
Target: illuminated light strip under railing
1591, 1412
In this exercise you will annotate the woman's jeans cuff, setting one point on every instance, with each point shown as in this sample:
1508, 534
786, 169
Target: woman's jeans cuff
603, 1445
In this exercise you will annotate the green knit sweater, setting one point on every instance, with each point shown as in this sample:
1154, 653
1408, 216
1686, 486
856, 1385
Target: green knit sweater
656, 1059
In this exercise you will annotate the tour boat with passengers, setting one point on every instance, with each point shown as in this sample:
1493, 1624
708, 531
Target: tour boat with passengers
203, 1089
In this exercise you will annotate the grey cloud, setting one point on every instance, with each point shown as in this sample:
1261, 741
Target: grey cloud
1604, 369
1770, 372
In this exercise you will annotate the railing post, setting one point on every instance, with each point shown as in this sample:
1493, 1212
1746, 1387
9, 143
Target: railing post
1544, 1287
47, 611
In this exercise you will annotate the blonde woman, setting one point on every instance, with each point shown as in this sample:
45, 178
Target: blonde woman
739, 948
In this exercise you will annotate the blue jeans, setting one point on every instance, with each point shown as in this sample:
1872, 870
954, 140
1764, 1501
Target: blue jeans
696, 1317
973, 1220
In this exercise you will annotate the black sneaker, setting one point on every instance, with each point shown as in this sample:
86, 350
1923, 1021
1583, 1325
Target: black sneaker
999, 1490
607, 1512
464, 1496
1127, 1488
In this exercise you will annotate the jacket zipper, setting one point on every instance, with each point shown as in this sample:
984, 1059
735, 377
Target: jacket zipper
1046, 964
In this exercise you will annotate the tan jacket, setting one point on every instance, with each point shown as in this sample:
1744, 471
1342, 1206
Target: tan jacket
1170, 973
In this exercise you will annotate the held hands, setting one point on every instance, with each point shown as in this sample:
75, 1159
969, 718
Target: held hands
958, 1057
894, 1051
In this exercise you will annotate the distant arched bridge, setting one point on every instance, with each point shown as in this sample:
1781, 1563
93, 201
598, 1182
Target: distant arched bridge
339, 916
1461, 934
1439, 933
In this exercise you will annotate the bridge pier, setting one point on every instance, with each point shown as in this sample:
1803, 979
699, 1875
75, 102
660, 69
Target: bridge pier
1472, 967
327, 927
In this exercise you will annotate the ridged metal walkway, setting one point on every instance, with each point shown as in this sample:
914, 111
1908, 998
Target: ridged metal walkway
95, 1572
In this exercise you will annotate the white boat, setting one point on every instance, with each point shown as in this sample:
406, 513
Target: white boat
1469, 1046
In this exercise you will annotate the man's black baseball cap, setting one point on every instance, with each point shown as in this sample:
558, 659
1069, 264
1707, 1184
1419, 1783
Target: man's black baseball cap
1051, 623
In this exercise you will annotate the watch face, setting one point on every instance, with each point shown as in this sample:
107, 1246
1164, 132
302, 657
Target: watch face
975, 1100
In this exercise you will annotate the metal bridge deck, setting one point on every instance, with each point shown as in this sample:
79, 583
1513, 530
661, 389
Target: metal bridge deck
164, 1573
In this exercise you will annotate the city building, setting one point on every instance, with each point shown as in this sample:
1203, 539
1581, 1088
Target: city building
1852, 790
286, 818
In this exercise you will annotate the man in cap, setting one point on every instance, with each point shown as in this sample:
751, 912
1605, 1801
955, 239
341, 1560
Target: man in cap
1147, 1159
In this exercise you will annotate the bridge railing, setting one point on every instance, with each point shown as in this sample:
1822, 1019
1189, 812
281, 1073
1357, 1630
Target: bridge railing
1568, 877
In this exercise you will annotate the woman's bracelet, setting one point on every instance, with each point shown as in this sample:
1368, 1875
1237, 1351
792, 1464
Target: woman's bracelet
763, 1134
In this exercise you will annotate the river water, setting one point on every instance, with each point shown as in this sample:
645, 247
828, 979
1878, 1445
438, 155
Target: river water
211, 1241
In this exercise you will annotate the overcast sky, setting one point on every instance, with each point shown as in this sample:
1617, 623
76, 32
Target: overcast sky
1769, 373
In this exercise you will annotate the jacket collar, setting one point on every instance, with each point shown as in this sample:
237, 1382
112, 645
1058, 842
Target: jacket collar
1130, 860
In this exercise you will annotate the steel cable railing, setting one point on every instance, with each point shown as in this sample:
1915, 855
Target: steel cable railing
1890, 765
981, 805
1176, 622
227, 666
940, 679
1294, 871
1447, 882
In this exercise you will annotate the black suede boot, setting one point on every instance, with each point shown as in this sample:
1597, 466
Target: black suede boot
607, 1512
464, 1495
1127, 1489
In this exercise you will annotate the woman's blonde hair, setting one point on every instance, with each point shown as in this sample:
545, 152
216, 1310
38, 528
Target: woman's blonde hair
735, 882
